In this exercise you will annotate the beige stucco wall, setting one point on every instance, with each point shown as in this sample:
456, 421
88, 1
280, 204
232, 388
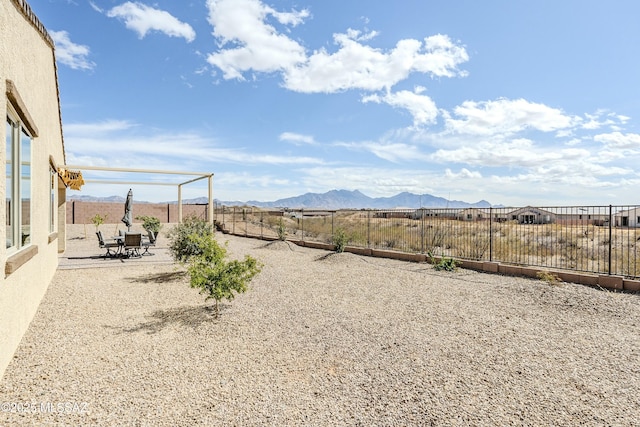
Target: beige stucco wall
27, 59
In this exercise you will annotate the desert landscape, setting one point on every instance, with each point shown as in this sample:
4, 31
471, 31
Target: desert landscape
320, 338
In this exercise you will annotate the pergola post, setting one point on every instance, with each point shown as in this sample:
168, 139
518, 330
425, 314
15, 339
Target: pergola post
210, 199
179, 203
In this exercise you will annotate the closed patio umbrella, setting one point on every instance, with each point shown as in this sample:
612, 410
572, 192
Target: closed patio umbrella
128, 218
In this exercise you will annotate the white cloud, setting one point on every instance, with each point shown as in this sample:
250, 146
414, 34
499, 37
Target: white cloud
602, 118
421, 107
71, 54
395, 152
143, 19
297, 138
516, 153
360, 36
97, 128
506, 117
96, 7
110, 140
358, 66
248, 180
378, 181
573, 142
463, 174
619, 140
257, 45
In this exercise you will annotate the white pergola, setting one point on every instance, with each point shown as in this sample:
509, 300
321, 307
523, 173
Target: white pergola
198, 176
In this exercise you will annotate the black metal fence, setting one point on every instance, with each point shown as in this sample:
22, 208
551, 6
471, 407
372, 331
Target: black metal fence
595, 239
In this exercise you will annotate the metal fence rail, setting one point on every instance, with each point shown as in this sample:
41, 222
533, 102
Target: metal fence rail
595, 239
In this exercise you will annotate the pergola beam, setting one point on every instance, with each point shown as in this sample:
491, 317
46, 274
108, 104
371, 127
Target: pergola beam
134, 170
98, 181
199, 175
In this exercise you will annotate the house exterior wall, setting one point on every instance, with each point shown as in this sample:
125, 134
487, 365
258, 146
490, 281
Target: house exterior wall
27, 66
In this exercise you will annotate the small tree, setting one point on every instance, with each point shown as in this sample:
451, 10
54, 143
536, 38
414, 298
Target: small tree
150, 223
192, 242
182, 242
214, 275
281, 230
340, 239
98, 220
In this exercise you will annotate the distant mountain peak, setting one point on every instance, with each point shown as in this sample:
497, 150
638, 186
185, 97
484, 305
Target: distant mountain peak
355, 199
333, 200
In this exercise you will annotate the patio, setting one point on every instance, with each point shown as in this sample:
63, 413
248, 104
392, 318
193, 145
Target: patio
83, 250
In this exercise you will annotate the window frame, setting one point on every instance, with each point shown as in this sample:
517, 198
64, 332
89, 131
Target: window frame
53, 198
15, 212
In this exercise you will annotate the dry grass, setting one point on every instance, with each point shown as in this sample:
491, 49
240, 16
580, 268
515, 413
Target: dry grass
583, 247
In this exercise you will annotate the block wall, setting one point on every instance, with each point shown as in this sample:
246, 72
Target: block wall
79, 212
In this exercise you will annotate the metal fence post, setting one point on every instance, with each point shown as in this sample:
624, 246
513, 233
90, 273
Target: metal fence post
421, 231
610, 237
368, 228
333, 214
490, 233
302, 223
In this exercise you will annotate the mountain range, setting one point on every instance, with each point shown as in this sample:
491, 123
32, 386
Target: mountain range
334, 199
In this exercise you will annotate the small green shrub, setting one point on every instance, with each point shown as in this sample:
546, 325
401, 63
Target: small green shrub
150, 223
214, 275
98, 220
183, 238
340, 239
550, 278
445, 264
281, 230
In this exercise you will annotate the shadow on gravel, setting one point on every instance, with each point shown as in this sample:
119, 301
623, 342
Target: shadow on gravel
278, 245
340, 257
161, 277
190, 316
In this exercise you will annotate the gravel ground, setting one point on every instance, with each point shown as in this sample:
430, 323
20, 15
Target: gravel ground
324, 339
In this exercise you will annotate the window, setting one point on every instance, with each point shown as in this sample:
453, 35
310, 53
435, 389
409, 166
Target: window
9, 184
53, 177
18, 188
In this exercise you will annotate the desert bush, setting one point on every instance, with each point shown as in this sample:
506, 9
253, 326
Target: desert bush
340, 239
281, 230
183, 238
550, 278
98, 220
445, 263
216, 276
150, 223
434, 237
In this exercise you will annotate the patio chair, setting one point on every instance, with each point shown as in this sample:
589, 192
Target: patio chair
132, 244
150, 240
108, 245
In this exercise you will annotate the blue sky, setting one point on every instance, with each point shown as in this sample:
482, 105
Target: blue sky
517, 103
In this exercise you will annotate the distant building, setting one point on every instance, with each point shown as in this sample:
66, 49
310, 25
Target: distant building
474, 214
627, 218
446, 213
531, 215
35, 196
